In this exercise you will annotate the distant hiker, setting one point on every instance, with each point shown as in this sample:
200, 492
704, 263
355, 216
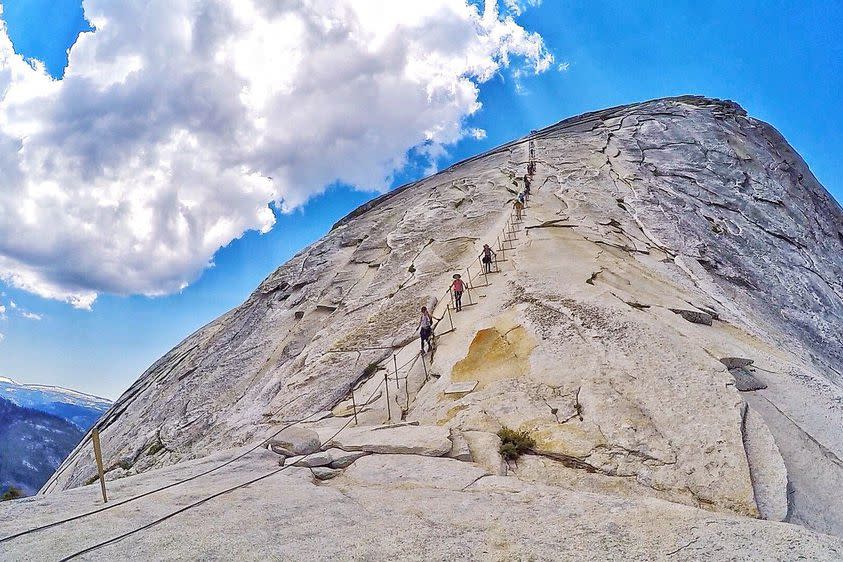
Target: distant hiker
457, 287
426, 328
527, 184
486, 257
519, 206
522, 197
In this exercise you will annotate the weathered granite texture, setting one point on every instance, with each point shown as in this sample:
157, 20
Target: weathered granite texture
660, 238
391, 507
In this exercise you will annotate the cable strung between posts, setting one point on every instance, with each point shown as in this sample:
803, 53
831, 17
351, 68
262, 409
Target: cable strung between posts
194, 477
150, 492
203, 500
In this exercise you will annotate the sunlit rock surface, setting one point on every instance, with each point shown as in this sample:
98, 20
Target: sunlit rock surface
659, 239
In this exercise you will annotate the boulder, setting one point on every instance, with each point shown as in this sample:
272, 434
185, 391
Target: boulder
736, 362
319, 458
694, 316
459, 446
295, 441
428, 440
484, 448
746, 381
325, 473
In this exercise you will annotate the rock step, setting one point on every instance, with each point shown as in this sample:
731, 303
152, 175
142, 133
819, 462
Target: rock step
426, 440
333, 458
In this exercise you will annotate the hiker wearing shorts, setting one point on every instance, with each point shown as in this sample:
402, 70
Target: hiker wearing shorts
426, 328
486, 257
457, 287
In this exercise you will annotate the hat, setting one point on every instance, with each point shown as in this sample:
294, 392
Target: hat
485, 245
457, 276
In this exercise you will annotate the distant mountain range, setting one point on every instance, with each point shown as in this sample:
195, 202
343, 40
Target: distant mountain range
39, 426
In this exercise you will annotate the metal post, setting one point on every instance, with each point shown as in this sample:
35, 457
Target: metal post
395, 363
353, 405
95, 436
426, 377
450, 319
386, 387
407, 392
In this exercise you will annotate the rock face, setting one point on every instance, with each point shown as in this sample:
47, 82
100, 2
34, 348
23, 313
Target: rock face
666, 322
393, 507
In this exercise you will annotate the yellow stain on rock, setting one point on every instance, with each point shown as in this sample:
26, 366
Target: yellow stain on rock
494, 356
449, 415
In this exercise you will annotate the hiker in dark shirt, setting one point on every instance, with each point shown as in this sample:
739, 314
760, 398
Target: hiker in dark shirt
426, 328
486, 257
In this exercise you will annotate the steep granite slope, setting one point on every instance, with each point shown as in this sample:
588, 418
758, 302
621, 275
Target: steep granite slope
666, 323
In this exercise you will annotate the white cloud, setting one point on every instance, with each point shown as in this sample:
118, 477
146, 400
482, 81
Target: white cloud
158, 145
563, 66
517, 7
2, 337
30, 315
13, 304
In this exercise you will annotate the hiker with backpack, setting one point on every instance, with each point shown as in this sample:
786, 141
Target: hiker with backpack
457, 288
426, 329
486, 258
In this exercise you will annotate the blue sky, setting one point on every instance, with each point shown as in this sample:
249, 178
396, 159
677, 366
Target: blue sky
780, 60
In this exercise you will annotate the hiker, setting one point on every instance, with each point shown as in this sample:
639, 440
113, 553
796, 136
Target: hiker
486, 257
426, 328
519, 206
527, 185
457, 287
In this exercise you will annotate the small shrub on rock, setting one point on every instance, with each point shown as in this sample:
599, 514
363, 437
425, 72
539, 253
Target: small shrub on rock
514, 443
155, 448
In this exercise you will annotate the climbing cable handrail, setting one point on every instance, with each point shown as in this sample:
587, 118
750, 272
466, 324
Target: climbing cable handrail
154, 491
211, 470
203, 500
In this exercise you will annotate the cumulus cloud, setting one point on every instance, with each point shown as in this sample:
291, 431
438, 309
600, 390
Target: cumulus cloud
178, 125
30, 315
